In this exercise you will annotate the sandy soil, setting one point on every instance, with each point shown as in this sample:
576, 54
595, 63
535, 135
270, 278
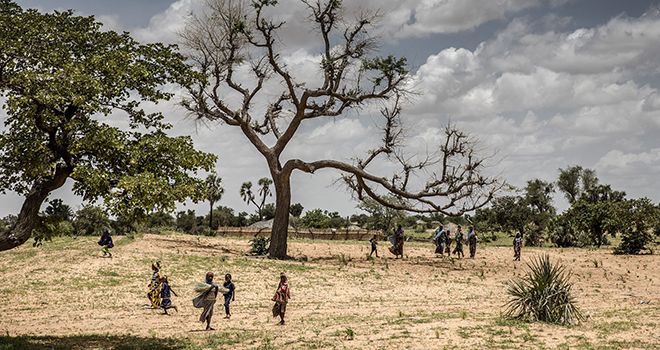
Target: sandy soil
340, 299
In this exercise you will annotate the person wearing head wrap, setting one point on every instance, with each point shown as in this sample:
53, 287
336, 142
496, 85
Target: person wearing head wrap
155, 286
208, 292
281, 298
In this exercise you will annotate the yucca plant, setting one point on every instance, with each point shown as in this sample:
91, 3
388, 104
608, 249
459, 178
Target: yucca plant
543, 294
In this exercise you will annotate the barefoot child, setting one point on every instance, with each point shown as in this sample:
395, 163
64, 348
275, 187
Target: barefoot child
281, 298
230, 295
166, 296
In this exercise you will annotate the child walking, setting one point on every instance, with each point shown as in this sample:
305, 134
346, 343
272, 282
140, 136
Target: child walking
166, 296
230, 295
281, 298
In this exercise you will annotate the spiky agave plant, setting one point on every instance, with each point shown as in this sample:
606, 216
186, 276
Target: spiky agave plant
543, 294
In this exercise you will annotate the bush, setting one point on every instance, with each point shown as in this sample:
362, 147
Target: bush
259, 245
543, 294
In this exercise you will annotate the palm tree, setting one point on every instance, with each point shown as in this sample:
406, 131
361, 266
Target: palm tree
264, 191
214, 192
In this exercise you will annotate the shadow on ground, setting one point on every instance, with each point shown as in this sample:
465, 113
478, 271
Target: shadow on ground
76, 342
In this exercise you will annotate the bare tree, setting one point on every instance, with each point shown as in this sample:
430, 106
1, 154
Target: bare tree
234, 35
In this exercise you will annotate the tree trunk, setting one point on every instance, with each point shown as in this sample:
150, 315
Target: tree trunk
29, 214
279, 234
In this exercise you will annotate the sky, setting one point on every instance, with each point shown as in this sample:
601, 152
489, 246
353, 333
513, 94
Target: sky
545, 84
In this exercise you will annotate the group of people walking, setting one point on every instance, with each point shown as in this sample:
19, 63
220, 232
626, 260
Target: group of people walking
443, 239
160, 295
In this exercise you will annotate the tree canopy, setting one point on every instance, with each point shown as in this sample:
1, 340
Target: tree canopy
68, 86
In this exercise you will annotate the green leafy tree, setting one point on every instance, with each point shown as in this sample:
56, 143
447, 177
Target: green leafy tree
315, 218
574, 181
231, 36
538, 198
296, 210
268, 211
597, 211
89, 220
57, 209
224, 216
214, 192
160, 220
507, 214
62, 78
380, 217
186, 221
643, 218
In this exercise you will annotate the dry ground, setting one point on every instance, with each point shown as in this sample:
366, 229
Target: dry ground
64, 296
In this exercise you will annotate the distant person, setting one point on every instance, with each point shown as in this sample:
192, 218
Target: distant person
448, 241
281, 298
106, 243
374, 246
439, 239
472, 241
230, 295
208, 292
155, 286
517, 246
459, 243
398, 239
166, 296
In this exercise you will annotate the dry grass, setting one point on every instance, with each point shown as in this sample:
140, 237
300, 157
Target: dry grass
64, 296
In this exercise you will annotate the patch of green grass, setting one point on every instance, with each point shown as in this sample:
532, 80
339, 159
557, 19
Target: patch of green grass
23, 254
95, 282
266, 344
107, 273
222, 339
607, 328
464, 332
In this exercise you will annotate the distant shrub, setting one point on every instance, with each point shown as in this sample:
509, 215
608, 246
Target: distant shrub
543, 294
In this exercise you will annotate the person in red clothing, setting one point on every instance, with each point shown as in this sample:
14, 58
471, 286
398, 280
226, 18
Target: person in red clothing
281, 298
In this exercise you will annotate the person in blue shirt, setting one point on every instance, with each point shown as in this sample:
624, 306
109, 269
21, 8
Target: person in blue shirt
230, 295
166, 296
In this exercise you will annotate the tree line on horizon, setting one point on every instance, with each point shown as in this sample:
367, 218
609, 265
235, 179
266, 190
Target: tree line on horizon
63, 76
596, 214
